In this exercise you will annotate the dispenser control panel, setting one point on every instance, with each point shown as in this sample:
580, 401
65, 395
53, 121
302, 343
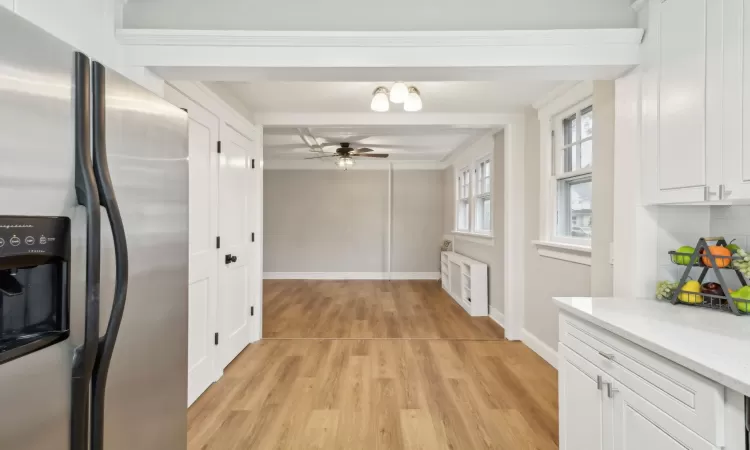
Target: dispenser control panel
34, 235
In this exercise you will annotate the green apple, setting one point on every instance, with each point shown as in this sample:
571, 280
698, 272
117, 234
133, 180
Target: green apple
742, 293
733, 247
683, 259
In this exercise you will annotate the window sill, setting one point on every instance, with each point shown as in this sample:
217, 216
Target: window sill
578, 254
477, 238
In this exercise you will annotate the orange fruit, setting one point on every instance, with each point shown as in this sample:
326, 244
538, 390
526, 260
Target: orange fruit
722, 255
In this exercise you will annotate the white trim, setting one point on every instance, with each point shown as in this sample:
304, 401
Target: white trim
389, 236
514, 237
497, 316
564, 100
406, 39
351, 276
361, 164
539, 347
557, 91
477, 238
579, 254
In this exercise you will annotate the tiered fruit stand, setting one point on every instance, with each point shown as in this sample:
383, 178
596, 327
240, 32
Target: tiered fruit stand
723, 302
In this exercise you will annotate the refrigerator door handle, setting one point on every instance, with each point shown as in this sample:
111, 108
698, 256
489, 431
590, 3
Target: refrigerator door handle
84, 356
109, 202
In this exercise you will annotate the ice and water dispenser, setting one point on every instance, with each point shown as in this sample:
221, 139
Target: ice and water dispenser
34, 283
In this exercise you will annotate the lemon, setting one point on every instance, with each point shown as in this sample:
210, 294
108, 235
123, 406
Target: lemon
690, 293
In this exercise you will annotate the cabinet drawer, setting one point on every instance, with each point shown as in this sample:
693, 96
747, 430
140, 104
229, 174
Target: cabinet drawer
691, 399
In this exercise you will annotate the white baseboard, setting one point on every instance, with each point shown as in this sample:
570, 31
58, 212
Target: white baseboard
539, 347
351, 276
497, 316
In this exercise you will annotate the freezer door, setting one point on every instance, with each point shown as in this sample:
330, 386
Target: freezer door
37, 178
146, 393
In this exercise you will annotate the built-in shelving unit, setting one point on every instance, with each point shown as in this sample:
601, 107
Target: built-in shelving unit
465, 280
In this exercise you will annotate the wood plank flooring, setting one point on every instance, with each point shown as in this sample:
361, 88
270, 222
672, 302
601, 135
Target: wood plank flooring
366, 310
377, 385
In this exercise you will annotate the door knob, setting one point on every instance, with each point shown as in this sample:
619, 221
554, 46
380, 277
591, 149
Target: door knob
228, 259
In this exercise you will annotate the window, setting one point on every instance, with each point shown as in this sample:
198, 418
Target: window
483, 197
462, 210
474, 198
573, 133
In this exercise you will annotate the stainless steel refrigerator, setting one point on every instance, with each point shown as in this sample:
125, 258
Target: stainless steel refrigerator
93, 253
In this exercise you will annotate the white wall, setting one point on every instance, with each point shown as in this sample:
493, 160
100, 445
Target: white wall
424, 15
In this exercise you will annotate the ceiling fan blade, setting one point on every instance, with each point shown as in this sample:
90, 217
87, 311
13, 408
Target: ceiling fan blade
374, 155
324, 156
361, 150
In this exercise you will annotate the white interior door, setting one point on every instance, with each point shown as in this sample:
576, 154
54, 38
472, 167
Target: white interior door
236, 281
203, 135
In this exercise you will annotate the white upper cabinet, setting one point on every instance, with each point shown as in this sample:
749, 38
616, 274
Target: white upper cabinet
695, 102
674, 97
736, 114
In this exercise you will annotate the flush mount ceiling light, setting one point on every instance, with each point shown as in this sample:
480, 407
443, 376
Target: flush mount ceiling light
380, 101
399, 92
413, 101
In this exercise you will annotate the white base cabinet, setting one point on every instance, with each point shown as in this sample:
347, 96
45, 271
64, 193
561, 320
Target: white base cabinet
465, 279
615, 395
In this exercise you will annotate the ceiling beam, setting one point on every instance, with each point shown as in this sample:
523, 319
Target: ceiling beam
190, 50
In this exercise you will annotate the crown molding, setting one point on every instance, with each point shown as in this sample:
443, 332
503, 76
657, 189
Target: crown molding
248, 38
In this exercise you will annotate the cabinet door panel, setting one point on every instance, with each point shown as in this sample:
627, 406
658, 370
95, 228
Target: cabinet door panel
581, 404
639, 425
736, 95
682, 99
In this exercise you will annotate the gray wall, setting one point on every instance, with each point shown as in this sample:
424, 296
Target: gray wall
417, 230
604, 195
545, 277
492, 255
337, 221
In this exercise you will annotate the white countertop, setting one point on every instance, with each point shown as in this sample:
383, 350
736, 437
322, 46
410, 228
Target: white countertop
715, 344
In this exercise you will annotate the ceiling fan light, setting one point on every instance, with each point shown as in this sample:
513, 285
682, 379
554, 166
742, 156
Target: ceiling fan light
399, 92
380, 101
345, 162
413, 101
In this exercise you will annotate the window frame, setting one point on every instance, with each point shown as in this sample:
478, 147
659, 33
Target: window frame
463, 182
476, 193
560, 173
551, 113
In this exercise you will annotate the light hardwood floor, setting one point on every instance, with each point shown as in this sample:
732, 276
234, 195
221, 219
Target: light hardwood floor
451, 386
368, 309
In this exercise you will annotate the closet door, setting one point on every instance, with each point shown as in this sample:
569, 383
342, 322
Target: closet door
236, 258
203, 134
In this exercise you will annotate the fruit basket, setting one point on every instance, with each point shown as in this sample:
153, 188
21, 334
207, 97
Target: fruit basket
715, 295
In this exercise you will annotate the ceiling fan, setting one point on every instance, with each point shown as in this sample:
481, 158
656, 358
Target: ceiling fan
346, 154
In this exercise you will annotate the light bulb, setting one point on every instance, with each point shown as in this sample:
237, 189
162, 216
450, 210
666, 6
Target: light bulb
380, 100
413, 101
399, 92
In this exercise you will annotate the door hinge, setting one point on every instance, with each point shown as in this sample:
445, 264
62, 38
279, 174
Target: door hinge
218, 242
218, 146
216, 338
252, 310
252, 237
253, 164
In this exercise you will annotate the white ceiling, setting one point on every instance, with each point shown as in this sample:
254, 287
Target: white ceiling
402, 143
383, 15
342, 97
